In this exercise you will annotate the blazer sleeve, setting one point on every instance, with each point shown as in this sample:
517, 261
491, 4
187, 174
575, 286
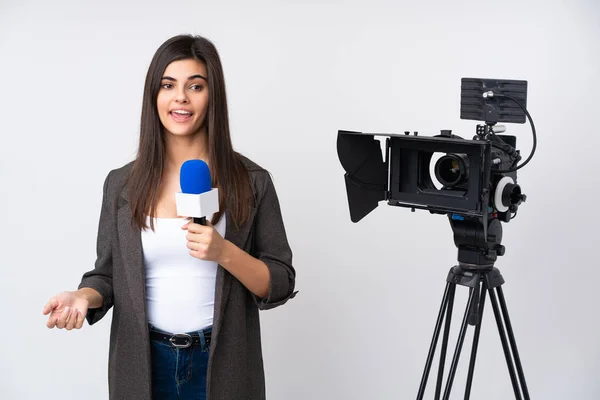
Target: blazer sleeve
271, 246
100, 278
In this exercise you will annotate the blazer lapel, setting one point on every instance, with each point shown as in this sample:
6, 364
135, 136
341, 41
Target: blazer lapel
133, 262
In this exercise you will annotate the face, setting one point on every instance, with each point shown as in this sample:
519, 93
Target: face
182, 100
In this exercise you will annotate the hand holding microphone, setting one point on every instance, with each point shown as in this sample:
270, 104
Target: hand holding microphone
199, 200
204, 242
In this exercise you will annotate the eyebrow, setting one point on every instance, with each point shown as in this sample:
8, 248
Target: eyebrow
197, 76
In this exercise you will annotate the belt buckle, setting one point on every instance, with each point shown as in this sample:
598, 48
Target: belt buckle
188, 340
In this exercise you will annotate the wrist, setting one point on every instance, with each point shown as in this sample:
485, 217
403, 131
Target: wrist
227, 253
82, 294
90, 296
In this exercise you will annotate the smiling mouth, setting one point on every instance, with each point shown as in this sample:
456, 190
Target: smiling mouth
181, 115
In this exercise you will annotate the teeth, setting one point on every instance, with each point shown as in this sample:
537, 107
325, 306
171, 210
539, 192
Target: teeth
182, 112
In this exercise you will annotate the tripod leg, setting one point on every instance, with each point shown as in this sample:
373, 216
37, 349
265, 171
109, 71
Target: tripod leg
513, 343
475, 341
509, 364
449, 309
473, 314
461, 339
448, 294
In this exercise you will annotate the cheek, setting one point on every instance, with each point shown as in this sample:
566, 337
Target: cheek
201, 102
162, 107
162, 104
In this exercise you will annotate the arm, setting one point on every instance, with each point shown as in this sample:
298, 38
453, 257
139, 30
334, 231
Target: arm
96, 285
266, 271
68, 309
206, 243
272, 249
251, 272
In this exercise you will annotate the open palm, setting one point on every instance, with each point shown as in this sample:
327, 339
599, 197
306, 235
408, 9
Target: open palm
66, 310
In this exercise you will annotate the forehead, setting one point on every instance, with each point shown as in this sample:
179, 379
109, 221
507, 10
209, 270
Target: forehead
185, 68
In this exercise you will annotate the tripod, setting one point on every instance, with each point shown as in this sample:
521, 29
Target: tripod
476, 271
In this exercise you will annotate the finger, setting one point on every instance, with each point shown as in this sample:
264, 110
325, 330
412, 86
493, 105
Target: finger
71, 319
80, 320
198, 238
66, 320
204, 236
191, 237
50, 305
51, 323
197, 228
62, 318
196, 253
75, 317
195, 246
191, 227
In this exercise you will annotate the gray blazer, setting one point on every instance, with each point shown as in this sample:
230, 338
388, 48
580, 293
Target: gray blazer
235, 367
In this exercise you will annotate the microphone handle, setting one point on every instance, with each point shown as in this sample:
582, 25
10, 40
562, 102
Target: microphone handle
200, 220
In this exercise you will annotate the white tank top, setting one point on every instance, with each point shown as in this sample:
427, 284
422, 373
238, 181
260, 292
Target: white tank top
180, 289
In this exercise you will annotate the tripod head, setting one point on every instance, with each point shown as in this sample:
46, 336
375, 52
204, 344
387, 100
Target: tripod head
476, 249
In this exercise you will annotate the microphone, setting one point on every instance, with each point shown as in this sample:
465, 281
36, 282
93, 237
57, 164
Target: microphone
197, 198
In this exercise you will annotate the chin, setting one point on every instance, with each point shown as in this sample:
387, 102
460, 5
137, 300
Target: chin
182, 131
179, 132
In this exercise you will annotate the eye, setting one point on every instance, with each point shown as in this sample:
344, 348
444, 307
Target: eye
166, 86
196, 87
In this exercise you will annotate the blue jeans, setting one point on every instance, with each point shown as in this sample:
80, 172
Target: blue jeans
179, 373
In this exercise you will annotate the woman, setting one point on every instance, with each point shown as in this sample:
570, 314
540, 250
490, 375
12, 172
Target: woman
186, 296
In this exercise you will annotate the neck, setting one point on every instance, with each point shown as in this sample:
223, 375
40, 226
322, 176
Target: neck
182, 148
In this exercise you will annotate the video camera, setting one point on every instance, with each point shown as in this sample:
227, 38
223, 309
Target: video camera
475, 179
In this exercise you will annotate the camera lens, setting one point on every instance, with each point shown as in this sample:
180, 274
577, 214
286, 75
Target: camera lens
451, 169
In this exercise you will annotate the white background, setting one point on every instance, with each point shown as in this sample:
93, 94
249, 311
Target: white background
296, 72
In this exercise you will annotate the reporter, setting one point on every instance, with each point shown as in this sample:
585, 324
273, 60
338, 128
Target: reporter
185, 297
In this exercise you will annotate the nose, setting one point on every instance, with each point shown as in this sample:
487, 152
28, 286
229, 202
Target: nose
181, 96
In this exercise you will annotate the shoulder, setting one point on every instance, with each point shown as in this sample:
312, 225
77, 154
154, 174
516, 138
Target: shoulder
263, 186
116, 179
122, 173
260, 177
250, 165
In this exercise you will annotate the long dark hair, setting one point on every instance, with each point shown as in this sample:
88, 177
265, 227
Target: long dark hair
228, 172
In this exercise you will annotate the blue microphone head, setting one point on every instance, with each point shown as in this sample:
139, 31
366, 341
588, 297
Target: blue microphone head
194, 177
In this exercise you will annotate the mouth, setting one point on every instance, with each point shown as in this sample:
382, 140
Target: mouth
181, 115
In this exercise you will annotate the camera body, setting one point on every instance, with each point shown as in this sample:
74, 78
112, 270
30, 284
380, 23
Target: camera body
465, 179
473, 177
